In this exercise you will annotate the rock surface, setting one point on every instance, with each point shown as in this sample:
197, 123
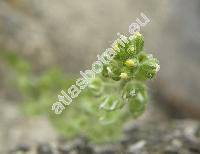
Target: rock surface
169, 137
179, 54
152, 133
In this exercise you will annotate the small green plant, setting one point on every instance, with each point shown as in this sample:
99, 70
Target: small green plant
111, 99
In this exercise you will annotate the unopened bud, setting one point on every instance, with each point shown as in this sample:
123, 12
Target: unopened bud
124, 75
130, 63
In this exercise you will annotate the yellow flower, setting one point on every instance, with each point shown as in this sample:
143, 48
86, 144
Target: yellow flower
124, 75
129, 63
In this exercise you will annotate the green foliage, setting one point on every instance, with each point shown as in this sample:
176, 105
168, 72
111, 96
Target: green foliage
111, 99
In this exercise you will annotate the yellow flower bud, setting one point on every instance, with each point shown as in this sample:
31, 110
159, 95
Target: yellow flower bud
130, 63
124, 75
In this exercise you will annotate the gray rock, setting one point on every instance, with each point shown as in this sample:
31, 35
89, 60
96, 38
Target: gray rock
64, 149
64, 32
194, 148
23, 147
107, 149
137, 148
178, 48
44, 149
80, 145
170, 150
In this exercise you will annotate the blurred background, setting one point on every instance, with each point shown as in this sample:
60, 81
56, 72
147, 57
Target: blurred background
66, 36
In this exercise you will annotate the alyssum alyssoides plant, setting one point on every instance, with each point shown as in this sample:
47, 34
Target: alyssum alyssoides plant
111, 99
122, 82
115, 96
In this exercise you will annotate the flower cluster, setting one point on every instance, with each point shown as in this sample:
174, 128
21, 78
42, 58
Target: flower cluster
131, 62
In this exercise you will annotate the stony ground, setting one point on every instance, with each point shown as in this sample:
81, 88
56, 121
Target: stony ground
153, 133
172, 137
